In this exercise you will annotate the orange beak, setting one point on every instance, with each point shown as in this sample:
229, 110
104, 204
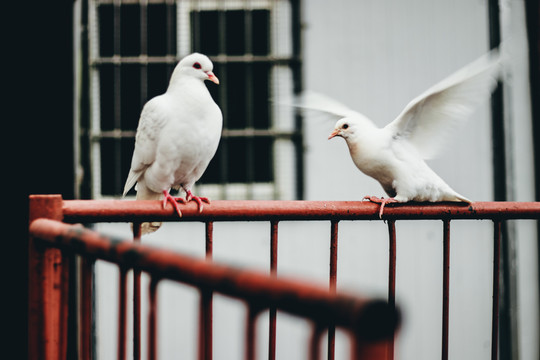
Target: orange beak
334, 133
213, 78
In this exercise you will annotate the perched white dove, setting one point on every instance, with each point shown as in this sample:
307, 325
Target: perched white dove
177, 136
394, 155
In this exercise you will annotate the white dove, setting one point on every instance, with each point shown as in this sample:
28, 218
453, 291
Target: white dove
394, 155
177, 136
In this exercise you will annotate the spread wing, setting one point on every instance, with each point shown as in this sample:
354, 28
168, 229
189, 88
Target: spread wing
428, 119
311, 100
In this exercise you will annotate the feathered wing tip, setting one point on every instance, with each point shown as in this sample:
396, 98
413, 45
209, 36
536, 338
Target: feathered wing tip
464, 199
489, 65
312, 100
455, 197
131, 181
429, 119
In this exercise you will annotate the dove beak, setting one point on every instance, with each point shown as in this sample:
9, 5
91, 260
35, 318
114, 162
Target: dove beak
334, 133
213, 78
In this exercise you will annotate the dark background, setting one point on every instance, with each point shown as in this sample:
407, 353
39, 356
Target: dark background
37, 39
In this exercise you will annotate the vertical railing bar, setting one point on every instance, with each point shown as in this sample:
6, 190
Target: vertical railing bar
63, 310
446, 287
315, 339
206, 307
391, 276
273, 272
152, 319
122, 314
209, 237
250, 333
86, 313
333, 282
136, 300
496, 274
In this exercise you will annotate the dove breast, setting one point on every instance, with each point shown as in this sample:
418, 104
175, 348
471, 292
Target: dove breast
187, 141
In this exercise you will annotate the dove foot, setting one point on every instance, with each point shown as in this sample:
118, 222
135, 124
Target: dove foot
199, 200
174, 201
381, 201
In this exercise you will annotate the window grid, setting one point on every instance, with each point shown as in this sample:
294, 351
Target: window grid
111, 144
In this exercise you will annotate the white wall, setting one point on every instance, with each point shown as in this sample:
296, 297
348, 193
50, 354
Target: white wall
375, 56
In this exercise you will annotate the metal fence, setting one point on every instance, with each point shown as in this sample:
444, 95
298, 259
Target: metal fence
370, 322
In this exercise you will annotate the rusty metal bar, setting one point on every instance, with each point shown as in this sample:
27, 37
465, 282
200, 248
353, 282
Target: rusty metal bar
251, 337
371, 319
496, 274
333, 281
446, 287
47, 303
391, 275
86, 311
365, 350
206, 307
152, 319
273, 272
251, 210
314, 343
122, 314
136, 299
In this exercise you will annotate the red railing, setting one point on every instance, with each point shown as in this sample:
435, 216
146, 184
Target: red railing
50, 289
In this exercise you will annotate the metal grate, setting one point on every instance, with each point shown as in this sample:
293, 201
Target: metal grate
275, 212
370, 323
254, 44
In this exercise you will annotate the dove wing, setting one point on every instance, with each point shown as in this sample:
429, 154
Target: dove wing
311, 100
150, 124
428, 119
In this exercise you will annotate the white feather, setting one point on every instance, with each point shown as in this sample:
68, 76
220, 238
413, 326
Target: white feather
429, 119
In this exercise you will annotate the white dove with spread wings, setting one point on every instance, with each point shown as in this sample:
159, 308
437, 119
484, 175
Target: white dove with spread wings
395, 154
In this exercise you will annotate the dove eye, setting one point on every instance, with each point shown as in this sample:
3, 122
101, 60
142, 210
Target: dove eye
345, 126
197, 65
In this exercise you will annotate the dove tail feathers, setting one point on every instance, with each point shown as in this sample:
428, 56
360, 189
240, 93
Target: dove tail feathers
132, 179
458, 198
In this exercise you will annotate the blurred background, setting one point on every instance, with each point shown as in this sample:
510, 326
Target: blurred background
91, 65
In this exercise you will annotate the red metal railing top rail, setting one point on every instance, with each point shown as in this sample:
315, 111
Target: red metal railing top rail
251, 210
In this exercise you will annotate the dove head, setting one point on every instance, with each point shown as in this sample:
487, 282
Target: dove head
345, 128
196, 65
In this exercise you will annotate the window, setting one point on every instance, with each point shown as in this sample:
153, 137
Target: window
133, 47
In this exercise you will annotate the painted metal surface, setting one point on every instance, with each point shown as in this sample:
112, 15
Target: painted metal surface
252, 210
370, 322
259, 291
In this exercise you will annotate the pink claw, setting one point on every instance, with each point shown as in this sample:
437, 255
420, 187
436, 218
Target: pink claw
381, 201
199, 200
174, 201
